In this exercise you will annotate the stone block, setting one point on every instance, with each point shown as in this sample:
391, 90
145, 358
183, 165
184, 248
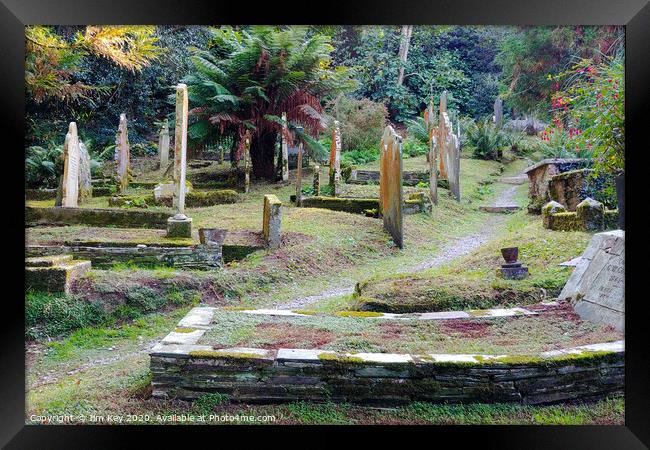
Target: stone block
56, 277
179, 227
591, 214
272, 221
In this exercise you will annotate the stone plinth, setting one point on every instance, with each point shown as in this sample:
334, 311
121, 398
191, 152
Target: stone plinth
272, 222
596, 287
53, 273
179, 226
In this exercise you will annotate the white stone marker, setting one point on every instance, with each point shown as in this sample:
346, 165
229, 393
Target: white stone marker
285, 148
163, 144
70, 183
180, 225
123, 153
335, 160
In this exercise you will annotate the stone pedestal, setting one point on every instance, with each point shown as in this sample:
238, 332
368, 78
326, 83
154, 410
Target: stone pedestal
179, 226
53, 273
272, 221
513, 271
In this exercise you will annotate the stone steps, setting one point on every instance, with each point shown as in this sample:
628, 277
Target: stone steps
513, 180
500, 209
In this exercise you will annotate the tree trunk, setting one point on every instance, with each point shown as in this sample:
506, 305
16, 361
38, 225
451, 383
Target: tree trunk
404, 51
262, 155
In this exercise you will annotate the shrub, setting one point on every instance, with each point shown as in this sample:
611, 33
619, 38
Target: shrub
361, 122
54, 314
357, 157
486, 139
43, 165
412, 147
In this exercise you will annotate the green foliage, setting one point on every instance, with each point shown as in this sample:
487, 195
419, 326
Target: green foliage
529, 54
43, 166
361, 122
54, 314
206, 403
412, 147
486, 139
359, 157
593, 99
246, 79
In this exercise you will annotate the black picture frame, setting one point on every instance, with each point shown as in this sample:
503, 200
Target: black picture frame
15, 14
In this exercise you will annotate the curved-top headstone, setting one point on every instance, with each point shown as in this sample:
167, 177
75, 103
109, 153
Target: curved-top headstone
390, 185
70, 182
596, 287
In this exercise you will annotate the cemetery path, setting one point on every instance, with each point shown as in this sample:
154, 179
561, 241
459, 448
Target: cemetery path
452, 250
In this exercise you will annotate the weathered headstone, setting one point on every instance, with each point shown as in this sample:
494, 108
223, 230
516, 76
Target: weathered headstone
180, 225
432, 155
70, 183
285, 148
498, 112
272, 221
443, 131
247, 163
123, 154
221, 155
591, 214
163, 144
299, 175
453, 168
317, 180
335, 160
85, 179
390, 185
596, 287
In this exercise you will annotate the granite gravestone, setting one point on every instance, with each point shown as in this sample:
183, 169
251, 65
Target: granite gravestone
596, 287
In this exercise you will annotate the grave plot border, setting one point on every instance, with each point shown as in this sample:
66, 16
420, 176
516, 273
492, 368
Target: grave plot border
183, 369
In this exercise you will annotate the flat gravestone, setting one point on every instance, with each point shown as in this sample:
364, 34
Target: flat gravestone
596, 287
390, 185
70, 189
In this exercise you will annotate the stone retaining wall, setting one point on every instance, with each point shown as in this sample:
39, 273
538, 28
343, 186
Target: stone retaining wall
192, 257
185, 370
97, 217
409, 178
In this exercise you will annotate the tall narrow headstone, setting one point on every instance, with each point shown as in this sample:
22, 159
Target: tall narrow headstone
70, 184
442, 131
247, 164
390, 185
85, 183
299, 176
317, 180
180, 225
335, 160
285, 148
453, 174
432, 155
163, 144
123, 154
221, 155
498, 112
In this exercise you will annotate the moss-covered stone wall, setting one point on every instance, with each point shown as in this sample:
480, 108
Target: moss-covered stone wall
98, 217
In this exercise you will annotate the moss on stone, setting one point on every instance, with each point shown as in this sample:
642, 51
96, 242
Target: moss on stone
184, 330
305, 312
359, 314
340, 358
214, 354
351, 205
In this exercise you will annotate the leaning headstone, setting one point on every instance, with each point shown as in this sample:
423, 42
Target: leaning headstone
596, 288
335, 160
317, 180
123, 154
498, 112
85, 179
390, 185
285, 148
70, 184
272, 220
180, 225
247, 164
163, 144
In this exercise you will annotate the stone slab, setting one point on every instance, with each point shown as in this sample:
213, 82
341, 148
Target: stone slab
596, 287
500, 209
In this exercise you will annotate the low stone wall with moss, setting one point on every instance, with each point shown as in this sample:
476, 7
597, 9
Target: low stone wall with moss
40, 194
589, 216
182, 369
97, 217
193, 199
409, 178
351, 205
105, 255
